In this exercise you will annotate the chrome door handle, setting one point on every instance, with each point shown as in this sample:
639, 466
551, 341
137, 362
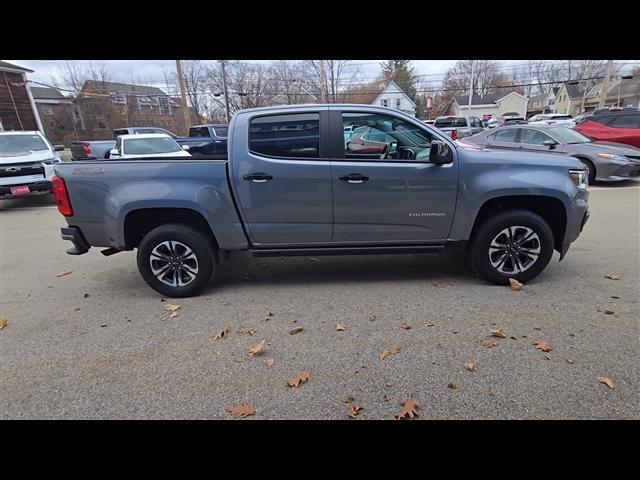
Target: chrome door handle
354, 178
258, 177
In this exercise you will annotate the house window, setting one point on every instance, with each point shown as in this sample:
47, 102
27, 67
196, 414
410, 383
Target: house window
165, 106
398, 103
384, 102
101, 123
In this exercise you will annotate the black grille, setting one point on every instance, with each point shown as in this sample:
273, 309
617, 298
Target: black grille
628, 171
634, 157
21, 169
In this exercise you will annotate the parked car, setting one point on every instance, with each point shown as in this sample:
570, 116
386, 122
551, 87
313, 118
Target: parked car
604, 161
459, 126
99, 149
289, 187
505, 121
622, 127
26, 162
147, 145
493, 123
552, 119
206, 140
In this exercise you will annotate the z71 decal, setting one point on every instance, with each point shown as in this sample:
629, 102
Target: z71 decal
88, 171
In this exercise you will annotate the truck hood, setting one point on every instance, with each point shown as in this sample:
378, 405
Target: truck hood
484, 154
26, 156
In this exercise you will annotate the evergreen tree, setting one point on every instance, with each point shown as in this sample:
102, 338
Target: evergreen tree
401, 72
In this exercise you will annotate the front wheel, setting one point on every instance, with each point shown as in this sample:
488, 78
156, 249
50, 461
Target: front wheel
176, 260
514, 244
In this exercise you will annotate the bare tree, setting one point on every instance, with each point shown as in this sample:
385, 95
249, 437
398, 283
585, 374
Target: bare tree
338, 74
195, 81
72, 75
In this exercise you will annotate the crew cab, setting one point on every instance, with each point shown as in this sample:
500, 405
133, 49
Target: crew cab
206, 140
26, 162
291, 186
459, 126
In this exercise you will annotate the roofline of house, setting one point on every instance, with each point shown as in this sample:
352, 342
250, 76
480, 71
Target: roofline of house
375, 100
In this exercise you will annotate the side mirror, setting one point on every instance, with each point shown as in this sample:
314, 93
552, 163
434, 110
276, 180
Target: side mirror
440, 153
550, 143
58, 148
185, 147
114, 152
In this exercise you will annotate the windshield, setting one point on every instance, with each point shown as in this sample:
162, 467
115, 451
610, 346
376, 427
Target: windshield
567, 135
12, 145
149, 146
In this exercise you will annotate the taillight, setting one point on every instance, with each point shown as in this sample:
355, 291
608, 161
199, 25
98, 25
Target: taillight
454, 134
61, 196
87, 150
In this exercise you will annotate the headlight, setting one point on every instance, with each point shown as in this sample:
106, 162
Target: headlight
609, 156
580, 178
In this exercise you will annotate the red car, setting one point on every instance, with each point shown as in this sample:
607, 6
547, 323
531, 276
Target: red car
620, 126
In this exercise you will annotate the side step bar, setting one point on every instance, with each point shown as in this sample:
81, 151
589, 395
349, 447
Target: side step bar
302, 252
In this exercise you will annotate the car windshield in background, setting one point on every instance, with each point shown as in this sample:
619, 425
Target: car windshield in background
221, 131
10, 145
144, 146
451, 122
567, 135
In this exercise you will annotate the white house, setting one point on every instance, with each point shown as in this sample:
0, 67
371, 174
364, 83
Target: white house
392, 96
497, 104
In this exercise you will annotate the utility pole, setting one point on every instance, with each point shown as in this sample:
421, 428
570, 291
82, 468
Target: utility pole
471, 87
605, 84
323, 92
224, 89
569, 76
185, 105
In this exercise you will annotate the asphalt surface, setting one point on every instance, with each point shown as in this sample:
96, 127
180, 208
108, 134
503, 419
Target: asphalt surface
114, 354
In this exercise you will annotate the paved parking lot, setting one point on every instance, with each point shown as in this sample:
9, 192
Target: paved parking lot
97, 343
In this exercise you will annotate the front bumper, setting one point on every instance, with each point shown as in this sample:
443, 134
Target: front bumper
74, 235
40, 186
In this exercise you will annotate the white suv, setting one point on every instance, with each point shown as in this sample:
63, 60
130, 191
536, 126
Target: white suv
26, 163
552, 119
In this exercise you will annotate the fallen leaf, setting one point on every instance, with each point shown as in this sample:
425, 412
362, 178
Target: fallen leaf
489, 343
296, 330
242, 410
437, 285
394, 349
270, 362
470, 366
452, 386
250, 331
301, 378
348, 399
258, 348
340, 327
498, 333
354, 410
409, 409
406, 326
3, 322
516, 286
569, 360
221, 334
429, 324
64, 273
607, 381
372, 317
171, 308
614, 276
542, 345
173, 314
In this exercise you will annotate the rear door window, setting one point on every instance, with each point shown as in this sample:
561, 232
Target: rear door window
625, 121
288, 135
506, 135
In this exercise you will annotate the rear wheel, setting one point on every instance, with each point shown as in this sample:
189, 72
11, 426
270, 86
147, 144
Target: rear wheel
176, 260
514, 244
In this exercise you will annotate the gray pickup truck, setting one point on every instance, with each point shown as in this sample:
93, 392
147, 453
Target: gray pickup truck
290, 187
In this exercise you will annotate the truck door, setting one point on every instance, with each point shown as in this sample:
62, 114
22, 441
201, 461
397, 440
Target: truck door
392, 197
281, 178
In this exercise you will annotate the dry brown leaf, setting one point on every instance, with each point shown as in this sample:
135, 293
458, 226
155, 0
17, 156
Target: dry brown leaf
429, 324
406, 326
614, 276
394, 349
348, 399
569, 360
250, 331
516, 286
171, 308
354, 410
258, 348
409, 409
372, 317
607, 381
221, 334
489, 343
242, 410
470, 366
300, 378
542, 345
3, 322
296, 330
340, 327
498, 333
270, 362
64, 273
437, 285
173, 314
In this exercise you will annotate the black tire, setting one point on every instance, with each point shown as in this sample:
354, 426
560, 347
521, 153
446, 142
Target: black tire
590, 168
489, 231
203, 266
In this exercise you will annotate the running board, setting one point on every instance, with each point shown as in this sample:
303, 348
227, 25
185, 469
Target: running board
302, 252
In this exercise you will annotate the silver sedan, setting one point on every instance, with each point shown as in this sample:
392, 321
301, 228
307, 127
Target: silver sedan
606, 161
